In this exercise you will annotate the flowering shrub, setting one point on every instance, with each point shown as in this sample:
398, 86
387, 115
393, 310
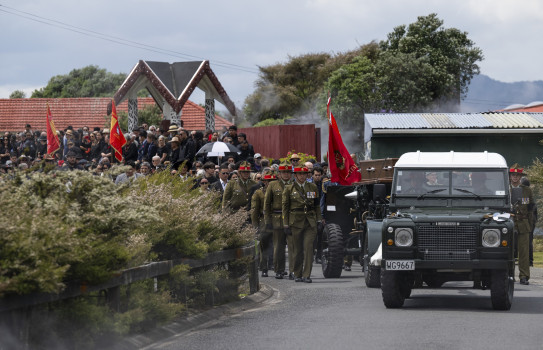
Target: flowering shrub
74, 226
304, 157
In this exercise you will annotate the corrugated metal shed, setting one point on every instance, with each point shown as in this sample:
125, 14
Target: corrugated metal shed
408, 121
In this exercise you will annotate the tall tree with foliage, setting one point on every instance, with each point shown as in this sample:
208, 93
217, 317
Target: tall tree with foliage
285, 90
449, 52
90, 81
421, 67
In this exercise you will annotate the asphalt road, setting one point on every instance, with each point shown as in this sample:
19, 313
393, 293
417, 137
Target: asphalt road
344, 314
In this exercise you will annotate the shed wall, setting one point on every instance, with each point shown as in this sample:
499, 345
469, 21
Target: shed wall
277, 140
515, 148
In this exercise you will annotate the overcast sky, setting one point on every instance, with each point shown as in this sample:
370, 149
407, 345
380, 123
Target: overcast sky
237, 36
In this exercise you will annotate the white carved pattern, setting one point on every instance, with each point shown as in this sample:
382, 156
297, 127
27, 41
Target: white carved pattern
210, 114
132, 114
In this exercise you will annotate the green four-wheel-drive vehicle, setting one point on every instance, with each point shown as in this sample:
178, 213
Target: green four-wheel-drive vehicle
448, 221
350, 211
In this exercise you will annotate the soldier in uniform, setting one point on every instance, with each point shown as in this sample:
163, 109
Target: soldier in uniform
236, 193
301, 216
523, 210
257, 219
273, 208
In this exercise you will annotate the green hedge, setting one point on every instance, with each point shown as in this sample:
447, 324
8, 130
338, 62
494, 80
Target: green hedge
75, 226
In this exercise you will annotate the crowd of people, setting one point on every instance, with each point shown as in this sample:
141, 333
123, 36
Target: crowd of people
91, 148
243, 179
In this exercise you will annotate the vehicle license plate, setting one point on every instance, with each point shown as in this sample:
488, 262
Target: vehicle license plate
400, 265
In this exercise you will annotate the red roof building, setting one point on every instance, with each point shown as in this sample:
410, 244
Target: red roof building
85, 111
536, 106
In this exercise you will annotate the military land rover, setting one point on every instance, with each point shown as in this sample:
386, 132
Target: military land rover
448, 221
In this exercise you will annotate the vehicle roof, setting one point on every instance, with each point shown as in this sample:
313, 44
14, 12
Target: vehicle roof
451, 160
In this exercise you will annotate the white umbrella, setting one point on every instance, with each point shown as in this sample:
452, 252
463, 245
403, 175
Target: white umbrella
217, 149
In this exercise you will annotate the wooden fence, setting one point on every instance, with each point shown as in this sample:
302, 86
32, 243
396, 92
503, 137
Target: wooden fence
135, 274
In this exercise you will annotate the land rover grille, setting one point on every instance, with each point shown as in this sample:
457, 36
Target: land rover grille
447, 242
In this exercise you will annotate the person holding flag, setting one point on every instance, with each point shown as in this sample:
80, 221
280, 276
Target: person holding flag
342, 167
53, 142
116, 137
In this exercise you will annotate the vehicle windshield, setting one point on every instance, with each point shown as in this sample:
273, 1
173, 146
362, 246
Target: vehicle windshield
439, 182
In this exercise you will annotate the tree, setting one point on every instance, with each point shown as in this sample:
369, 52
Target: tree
17, 94
284, 90
90, 81
150, 115
448, 51
352, 88
420, 68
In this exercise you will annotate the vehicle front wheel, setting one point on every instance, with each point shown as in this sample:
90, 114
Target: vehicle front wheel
372, 274
392, 289
501, 290
332, 253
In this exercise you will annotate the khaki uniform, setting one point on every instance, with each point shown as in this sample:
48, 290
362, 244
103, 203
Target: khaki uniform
265, 236
273, 208
301, 212
523, 226
236, 194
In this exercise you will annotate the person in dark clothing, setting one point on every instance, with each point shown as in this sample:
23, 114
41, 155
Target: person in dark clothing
188, 149
85, 147
209, 169
173, 155
41, 148
163, 149
246, 150
96, 147
199, 141
151, 149
5, 148
220, 185
233, 134
317, 180
143, 146
71, 162
130, 150
28, 146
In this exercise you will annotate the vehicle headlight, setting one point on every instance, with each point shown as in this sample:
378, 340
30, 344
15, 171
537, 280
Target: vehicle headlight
403, 237
491, 238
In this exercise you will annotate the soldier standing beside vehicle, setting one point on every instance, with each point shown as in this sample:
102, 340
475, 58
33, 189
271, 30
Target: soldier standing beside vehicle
257, 219
523, 210
273, 209
301, 215
236, 193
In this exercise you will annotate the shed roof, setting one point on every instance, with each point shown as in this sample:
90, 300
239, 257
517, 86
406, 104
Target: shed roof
84, 111
411, 123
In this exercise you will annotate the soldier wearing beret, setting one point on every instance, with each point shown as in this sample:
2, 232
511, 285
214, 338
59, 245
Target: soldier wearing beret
236, 193
273, 209
523, 210
301, 216
257, 219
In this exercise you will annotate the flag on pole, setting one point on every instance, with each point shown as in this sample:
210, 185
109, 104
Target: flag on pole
53, 143
342, 166
116, 137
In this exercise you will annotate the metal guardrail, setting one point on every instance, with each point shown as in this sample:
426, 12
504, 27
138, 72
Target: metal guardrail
151, 270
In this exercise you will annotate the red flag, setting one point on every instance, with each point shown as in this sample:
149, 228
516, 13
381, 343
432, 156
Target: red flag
53, 143
342, 166
116, 137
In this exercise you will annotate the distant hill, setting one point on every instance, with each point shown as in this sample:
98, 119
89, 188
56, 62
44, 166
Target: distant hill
486, 94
